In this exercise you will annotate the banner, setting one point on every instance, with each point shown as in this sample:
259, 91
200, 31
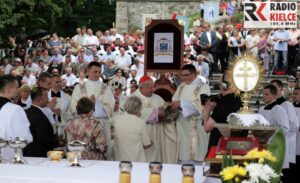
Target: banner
270, 15
211, 11
182, 20
230, 8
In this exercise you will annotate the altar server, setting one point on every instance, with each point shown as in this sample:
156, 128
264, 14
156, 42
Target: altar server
293, 127
276, 116
163, 135
13, 120
296, 103
192, 138
101, 94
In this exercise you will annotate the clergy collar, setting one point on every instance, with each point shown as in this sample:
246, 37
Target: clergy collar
271, 105
40, 108
296, 104
55, 94
280, 100
3, 101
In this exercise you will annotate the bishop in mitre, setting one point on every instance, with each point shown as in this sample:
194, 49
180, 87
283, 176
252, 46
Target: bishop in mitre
162, 134
192, 139
101, 94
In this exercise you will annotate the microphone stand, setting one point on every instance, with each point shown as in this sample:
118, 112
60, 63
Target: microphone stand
257, 98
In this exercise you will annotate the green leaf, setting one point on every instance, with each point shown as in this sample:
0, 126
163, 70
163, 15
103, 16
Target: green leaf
277, 148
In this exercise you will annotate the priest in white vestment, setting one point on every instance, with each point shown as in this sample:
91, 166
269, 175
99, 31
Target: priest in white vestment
101, 94
13, 120
162, 134
293, 121
192, 138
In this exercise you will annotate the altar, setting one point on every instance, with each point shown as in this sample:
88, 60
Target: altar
42, 170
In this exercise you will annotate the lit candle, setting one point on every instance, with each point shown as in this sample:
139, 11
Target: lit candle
155, 178
188, 171
125, 177
155, 170
125, 171
187, 179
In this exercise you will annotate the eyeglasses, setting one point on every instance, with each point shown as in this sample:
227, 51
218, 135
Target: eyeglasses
186, 75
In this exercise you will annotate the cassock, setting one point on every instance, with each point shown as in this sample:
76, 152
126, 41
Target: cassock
64, 104
297, 109
192, 140
13, 123
293, 127
104, 104
162, 135
277, 116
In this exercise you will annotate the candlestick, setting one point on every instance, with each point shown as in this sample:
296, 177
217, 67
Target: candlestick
155, 178
125, 177
187, 179
155, 170
188, 171
125, 171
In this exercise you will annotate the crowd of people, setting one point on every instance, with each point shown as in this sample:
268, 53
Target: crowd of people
93, 88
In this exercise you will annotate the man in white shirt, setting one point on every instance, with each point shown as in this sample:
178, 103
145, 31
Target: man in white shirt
90, 41
69, 77
69, 53
123, 61
114, 35
33, 67
202, 67
252, 41
28, 79
14, 122
6, 66
108, 55
57, 56
139, 62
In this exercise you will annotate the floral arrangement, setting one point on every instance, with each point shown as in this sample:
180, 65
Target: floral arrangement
256, 170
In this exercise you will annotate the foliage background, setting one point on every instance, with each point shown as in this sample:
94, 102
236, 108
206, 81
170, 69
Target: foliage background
62, 16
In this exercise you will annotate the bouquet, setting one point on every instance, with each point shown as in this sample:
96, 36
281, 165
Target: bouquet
260, 166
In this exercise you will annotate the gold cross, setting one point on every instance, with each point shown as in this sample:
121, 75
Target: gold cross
245, 75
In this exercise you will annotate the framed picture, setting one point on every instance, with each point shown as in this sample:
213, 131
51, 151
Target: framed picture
163, 46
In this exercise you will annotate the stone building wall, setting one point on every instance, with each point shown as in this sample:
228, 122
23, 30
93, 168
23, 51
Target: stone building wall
129, 13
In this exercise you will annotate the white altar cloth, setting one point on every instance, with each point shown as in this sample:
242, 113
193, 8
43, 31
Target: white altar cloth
41, 170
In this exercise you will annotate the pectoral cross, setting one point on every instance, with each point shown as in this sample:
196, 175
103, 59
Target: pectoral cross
245, 74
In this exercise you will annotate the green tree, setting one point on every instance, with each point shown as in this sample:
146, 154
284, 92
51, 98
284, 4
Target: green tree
62, 16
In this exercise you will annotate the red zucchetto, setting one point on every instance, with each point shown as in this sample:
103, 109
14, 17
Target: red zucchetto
144, 79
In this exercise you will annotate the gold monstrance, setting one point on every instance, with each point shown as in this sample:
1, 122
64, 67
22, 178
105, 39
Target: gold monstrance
244, 74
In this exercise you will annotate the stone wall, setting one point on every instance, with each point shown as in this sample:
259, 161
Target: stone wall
129, 13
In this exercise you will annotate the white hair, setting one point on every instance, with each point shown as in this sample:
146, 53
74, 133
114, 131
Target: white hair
133, 105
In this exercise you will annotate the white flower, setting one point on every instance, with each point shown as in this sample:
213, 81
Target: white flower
260, 172
246, 181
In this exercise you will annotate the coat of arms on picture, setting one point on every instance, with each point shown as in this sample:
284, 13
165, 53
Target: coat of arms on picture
163, 47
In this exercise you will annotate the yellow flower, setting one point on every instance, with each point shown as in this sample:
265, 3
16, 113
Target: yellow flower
229, 173
260, 155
